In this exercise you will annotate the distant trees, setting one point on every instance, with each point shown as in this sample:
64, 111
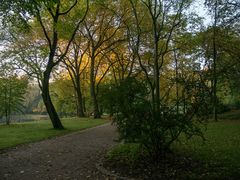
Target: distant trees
32, 98
64, 96
76, 62
102, 31
12, 91
218, 42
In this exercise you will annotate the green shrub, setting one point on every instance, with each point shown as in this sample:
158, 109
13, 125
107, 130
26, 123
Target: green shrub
129, 153
129, 103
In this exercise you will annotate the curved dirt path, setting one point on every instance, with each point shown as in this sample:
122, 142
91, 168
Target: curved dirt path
71, 156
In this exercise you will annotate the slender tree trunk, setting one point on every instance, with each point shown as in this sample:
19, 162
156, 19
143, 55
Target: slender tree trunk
214, 64
48, 102
7, 104
84, 104
7, 117
80, 112
184, 102
157, 86
156, 73
96, 112
177, 88
153, 101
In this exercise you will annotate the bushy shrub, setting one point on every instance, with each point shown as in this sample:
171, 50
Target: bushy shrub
129, 153
129, 103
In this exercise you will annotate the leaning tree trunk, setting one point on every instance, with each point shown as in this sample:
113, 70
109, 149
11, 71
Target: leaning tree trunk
48, 102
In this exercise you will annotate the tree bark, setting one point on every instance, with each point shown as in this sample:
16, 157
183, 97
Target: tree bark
156, 79
80, 112
6, 109
177, 87
48, 102
96, 112
156, 70
7, 117
214, 64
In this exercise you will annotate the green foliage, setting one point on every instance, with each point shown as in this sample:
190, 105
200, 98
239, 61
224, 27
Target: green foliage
22, 133
129, 103
12, 91
32, 99
63, 96
128, 153
126, 101
127, 93
216, 158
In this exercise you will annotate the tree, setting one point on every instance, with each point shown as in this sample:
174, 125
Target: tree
50, 15
214, 5
12, 91
32, 98
174, 95
64, 95
76, 63
53, 42
101, 29
225, 16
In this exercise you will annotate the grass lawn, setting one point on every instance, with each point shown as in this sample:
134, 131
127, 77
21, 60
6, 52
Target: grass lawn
221, 150
216, 158
21, 133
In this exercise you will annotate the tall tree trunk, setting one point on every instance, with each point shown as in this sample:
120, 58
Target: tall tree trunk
96, 112
156, 81
48, 102
214, 64
6, 108
53, 42
177, 88
80, 112
84, 104
156, 70
7, 117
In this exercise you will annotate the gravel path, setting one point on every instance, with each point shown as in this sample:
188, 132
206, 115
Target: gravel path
71, 156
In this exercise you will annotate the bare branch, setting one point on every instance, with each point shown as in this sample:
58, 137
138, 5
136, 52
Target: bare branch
39, 18
66, 12
73, 35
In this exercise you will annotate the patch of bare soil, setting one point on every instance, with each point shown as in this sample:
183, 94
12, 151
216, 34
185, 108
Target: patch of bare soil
72, 156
